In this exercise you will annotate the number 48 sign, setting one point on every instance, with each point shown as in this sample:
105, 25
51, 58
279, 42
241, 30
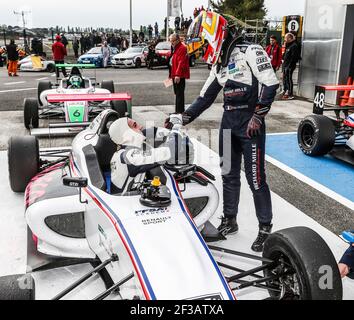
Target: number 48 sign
319, 100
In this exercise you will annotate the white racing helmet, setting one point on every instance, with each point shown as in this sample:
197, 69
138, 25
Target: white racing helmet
123, 135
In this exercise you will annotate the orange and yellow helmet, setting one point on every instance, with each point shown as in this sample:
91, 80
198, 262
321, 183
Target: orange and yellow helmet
208, 28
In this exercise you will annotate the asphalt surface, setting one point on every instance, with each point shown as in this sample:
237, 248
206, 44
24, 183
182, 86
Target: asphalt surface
152, 101
146, 86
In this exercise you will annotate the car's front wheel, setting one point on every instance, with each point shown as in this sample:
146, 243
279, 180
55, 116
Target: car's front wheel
43, 86
30, 113
305, 268
108, 85
23, 161
138, 63
50, 68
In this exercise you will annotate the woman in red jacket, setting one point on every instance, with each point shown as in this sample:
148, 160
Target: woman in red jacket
180, 70
274, 52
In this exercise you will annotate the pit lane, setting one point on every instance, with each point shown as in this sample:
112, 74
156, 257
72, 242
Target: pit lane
152, 101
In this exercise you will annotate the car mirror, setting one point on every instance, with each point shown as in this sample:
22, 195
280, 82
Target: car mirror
75, 182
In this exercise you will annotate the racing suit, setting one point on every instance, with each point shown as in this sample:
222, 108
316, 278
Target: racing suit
348, 259
136, 155
249, 86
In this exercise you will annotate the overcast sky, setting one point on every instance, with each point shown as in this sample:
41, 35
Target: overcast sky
109, 13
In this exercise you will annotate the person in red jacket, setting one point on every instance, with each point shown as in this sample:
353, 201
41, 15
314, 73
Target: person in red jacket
59, 53
179, 70
274, 51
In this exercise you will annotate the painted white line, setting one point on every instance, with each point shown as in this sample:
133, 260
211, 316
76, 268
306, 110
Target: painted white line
154, 82
42, 79
13, 83
344, 201
17, 90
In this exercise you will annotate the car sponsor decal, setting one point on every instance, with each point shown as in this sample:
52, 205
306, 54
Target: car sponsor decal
189, 217
47, 185
262, 60
123, 235
259, 53
264, 67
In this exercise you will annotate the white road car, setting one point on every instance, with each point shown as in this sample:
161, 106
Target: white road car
36, 63
132, 57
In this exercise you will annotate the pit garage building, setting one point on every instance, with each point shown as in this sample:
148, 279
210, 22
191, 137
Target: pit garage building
328, 46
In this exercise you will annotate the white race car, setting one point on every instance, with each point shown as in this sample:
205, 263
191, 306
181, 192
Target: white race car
75, 98
150, 243
132, 57
36, 63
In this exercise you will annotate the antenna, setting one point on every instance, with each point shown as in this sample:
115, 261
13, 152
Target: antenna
23, 14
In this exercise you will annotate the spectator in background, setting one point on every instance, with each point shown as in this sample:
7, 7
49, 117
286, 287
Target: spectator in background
150, 30
156, 27
76, 46
291, 58
274, 53
177, 24
12, 57
141, 35
64, 41
59, 53
83, 44
125, 44
105, 53
179, 70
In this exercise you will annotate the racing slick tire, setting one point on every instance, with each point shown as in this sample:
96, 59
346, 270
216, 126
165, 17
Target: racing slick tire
138, 63
17, 287
120, 107
50, 68
108, 85
316, 135
23, 160
314, 274
43, 86
30, 113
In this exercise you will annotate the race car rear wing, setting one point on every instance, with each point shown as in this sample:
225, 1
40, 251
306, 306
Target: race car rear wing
319, 104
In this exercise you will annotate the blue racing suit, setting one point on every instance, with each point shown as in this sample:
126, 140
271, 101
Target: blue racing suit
348, 259
249, 86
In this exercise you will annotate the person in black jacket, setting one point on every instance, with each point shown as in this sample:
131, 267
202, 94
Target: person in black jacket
12, 57
291, 58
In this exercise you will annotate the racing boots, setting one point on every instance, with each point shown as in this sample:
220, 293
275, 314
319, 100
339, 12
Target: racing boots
264, 232
228, 226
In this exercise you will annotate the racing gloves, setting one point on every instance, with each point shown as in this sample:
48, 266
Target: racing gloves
179, 120
254, 126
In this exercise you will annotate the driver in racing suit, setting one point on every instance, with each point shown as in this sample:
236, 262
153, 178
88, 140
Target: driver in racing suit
138, 152
245, 74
